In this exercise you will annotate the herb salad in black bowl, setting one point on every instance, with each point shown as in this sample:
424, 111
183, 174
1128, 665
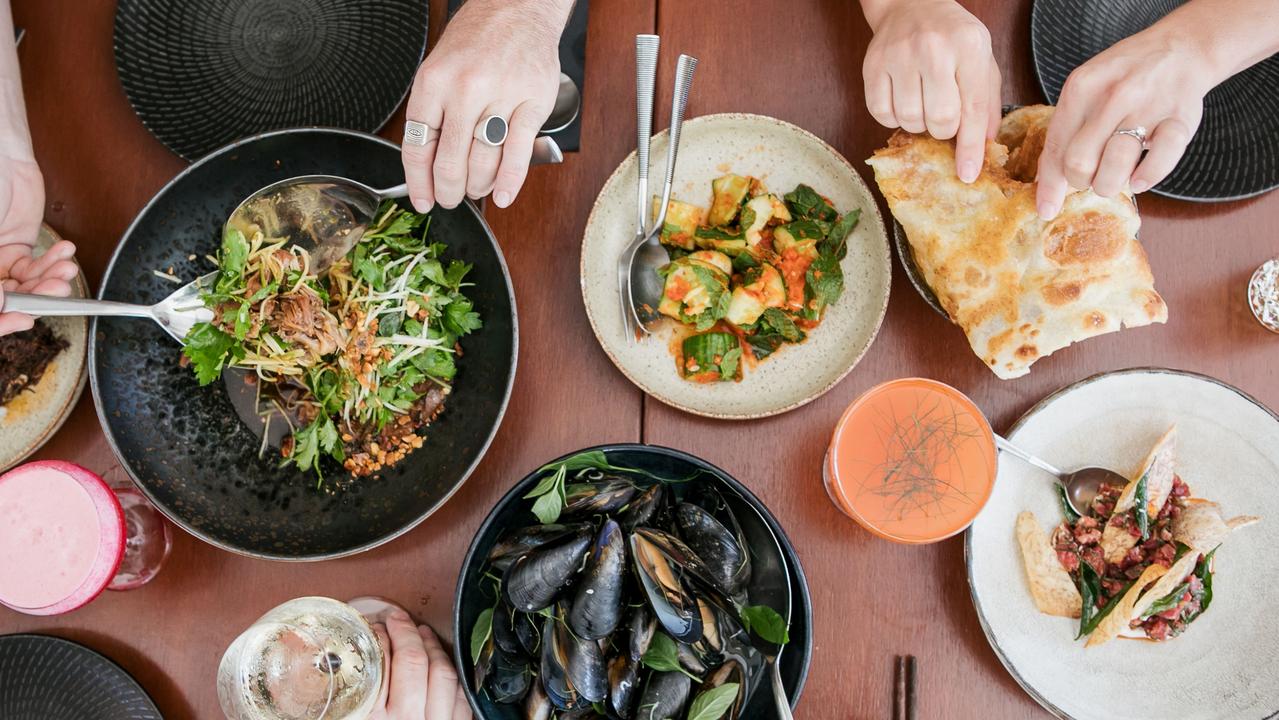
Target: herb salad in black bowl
629, 581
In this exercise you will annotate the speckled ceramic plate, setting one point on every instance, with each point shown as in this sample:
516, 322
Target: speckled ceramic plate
31, 418
782, 155
1225, 665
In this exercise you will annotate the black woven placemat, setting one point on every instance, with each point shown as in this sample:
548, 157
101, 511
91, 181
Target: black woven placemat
1234, 154
203, 74
572, 63
48, 678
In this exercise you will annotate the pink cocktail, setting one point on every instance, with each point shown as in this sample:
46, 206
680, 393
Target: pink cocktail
65, 536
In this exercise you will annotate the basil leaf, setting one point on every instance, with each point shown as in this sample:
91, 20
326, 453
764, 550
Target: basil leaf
1064, 500
548, 508
663, 656
766, 623
1143, 511
480, 633
713, 703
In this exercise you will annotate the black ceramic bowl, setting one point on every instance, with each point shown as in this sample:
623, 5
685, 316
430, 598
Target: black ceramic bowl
48, 678
514, 511
185, 446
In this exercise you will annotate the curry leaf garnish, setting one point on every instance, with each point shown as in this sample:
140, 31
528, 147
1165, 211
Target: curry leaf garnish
663, 656
1166, 602
1090, 590
1063, 500
1142, 508
1203, 571
766, 623
712, 704
480, 633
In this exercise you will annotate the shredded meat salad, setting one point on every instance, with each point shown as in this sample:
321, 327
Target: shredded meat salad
1077, 542
358, 361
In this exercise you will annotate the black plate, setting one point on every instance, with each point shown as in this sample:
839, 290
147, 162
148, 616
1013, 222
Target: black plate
514, 511
48, 678
203, 74
1234, 154
184, 445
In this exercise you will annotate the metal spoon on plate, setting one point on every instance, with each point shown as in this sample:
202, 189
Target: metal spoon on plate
325, 214
1081, 485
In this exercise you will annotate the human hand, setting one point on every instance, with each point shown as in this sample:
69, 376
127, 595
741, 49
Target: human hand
930, 68
1149, 80
21, 208
421, 683
497, 57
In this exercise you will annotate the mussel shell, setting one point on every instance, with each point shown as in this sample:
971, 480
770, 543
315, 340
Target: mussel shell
573, 669
537, 706
642, 508
517, 542
733, 670
538, 576
664, 696
663, 586
682, 557
598, 605
510, 679
602, 496
689, 658
727, 561
530, 638
504, 630
484, 663
642, 625
623, 685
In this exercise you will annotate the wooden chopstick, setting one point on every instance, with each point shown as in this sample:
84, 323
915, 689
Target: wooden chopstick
904, 684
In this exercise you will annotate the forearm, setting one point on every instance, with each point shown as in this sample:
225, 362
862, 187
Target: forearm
15, 139
544, 17
875, 10
1229, 35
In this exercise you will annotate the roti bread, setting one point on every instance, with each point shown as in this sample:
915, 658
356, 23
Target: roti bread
1020, 288
1050, 585
1202, 527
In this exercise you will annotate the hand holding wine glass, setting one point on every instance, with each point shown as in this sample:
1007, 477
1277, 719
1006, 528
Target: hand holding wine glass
422, 680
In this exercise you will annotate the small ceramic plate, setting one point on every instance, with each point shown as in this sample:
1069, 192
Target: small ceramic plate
49, 678
31, 418
782, 155
1224, 665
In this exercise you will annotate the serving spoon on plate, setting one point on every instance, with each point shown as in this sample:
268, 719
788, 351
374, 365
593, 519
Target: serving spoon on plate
324, 214
1081, 485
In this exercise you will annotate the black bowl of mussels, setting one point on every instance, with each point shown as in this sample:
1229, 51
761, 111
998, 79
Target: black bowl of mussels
630, 581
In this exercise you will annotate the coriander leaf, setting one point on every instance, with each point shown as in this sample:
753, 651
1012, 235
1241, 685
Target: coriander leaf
712, 704
480, 633
663, 656
432, 270
207, 348
459, 318
243, 322
766, 623
436, 363
454, 275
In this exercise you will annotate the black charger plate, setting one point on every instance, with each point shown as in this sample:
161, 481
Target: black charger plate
1234, 154
514, 511
203, 74
48, 678
184, 445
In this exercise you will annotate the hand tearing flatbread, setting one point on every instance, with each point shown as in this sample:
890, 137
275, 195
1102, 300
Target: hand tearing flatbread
1020, 288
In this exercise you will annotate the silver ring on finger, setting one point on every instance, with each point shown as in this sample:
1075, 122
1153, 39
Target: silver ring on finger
418, 133
491, 131
1138, 132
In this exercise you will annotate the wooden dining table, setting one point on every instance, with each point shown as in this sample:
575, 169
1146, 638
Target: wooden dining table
798, 60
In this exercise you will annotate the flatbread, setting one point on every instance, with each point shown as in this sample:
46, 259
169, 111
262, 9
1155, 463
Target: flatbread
1122, 614
1202, 527
1171, 579
1050, 585
1159, 468
1020, 288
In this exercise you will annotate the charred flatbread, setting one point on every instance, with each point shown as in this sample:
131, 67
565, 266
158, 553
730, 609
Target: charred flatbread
1157, 470
1202, 527
1119, 617
1050, 585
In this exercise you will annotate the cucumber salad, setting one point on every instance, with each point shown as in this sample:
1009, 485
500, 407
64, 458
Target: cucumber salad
750, 274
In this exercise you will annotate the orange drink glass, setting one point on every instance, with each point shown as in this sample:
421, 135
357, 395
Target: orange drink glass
912, 460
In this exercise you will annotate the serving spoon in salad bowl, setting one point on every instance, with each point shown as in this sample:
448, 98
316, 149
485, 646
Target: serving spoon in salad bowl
324, 214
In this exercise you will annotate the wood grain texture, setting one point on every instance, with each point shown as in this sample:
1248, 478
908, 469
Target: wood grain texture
872, 599
101, 166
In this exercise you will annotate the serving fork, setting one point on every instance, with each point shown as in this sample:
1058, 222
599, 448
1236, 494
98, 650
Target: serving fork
639, 285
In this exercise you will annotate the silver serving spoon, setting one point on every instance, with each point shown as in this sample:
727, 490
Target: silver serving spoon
645, 255
324, 214
1081, 485
770, 585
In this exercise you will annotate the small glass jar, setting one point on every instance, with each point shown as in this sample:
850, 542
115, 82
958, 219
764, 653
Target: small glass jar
1263, 295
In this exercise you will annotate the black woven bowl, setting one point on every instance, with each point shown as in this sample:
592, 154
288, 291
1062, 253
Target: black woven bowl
203, 74
1234, 154
514, 511
184, 445
48, 678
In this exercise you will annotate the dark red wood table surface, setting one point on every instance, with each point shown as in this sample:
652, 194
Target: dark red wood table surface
799, 60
